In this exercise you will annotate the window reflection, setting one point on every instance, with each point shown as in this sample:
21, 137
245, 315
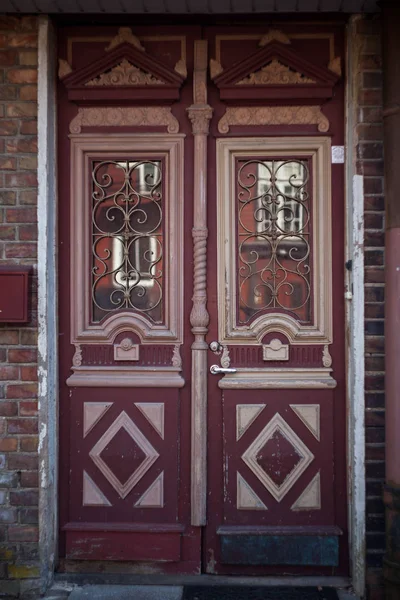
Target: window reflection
127, 238
273, 237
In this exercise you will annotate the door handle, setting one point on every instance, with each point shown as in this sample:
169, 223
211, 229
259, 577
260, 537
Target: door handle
216, 370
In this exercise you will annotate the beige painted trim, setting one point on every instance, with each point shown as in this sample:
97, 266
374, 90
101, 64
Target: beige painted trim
278, 378
319, 149
200, 114
165, 377
87, 146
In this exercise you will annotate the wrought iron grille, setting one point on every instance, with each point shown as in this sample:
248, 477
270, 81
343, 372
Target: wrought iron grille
274, 228
127, 238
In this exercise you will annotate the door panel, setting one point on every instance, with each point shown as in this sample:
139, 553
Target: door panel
276, 482
125, 291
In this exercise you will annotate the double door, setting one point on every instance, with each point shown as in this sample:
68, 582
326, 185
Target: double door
202, 416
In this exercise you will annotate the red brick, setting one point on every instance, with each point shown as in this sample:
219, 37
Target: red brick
8, 444
22, 462
23, 109
373, 185
29, 479
9, 337
21, 391
23, 533
7, 232
28, 232
23, 250
370, 132
24, 498
8, 163
21, 215
27, 197
23, 40
374, 275
22, 355
29, 92
28, 409
28, 127
28, 373
372, 80
20, 180
8, 92
3, 423
8, 127
24, 426
29, 337
370, 97
7, 58
29, 444
373, 221
8, 409
21, 145
8, 372
22, 75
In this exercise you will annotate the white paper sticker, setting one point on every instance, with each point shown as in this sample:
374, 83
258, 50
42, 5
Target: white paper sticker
337, 154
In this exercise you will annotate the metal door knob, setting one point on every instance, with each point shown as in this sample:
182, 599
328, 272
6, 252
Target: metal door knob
216, 370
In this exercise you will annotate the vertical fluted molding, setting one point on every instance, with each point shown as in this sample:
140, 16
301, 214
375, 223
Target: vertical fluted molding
200, 114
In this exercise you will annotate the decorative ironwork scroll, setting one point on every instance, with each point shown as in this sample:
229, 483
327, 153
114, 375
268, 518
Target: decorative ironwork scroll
274, 231
127, 238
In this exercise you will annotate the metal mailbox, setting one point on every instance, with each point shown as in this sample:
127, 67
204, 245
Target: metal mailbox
14, 294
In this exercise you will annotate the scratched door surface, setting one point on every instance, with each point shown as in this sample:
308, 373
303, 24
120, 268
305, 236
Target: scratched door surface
276, 425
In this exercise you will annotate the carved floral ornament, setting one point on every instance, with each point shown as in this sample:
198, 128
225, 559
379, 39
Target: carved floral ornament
119, 116
275, 73
125, 74
273, 115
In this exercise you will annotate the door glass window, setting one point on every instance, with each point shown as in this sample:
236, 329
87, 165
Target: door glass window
127, 238
273, 237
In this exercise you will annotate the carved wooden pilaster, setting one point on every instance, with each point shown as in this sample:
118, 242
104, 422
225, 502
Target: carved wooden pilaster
200, 114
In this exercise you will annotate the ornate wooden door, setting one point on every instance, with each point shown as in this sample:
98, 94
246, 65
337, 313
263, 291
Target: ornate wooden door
157, 450
125, 293
276, 404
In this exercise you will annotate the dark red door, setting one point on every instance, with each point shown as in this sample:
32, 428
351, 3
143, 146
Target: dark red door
125, 159
131, 177
276, 443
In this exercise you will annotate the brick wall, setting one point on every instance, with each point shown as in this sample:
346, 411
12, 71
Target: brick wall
18, 370
370, 165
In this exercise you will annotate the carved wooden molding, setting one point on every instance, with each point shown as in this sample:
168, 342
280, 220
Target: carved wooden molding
335, 66
64, 68
275, 73
320, 330
326, 357
125, 116
125, 74
274, 35
273, 115
181, 68
125, 35
278, 378
164, 377
199, 114
84, 147
215, 68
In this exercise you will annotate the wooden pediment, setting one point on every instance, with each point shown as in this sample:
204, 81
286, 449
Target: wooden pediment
124, 75
275, 73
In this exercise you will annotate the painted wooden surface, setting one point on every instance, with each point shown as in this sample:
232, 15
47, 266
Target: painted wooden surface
275, 456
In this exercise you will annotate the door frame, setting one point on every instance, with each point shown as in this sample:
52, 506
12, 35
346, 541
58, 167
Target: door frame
48, 315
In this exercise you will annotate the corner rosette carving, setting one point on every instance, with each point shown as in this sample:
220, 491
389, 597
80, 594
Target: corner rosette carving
77, 358
176, 357
326, 357
64, 68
